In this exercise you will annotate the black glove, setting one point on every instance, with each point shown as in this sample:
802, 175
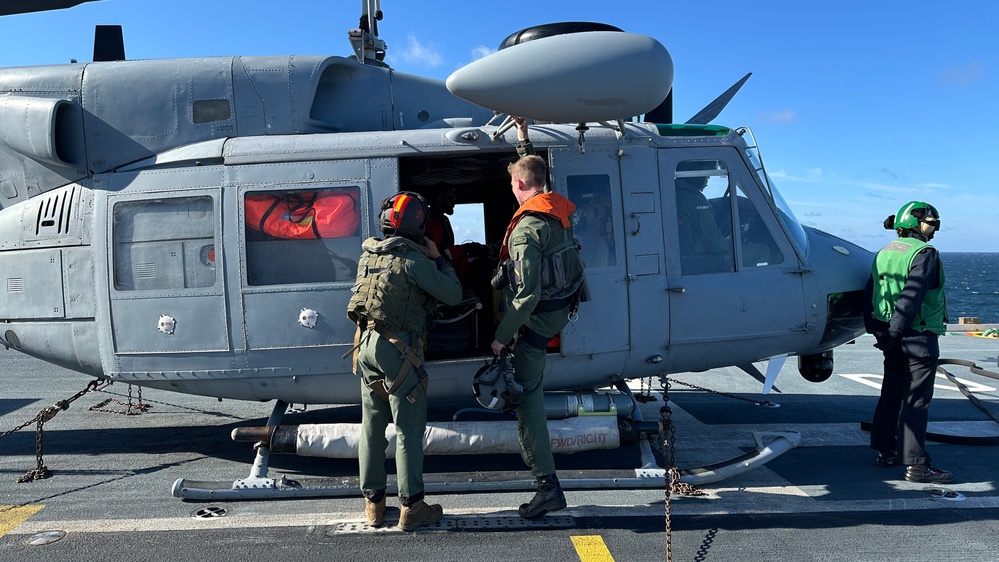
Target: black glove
886, 340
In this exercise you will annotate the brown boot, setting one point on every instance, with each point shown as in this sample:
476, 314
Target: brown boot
418, 514
374, 512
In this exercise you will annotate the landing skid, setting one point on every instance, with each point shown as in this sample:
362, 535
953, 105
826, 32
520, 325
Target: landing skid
258, 486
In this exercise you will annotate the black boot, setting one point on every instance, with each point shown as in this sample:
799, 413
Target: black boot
548, 498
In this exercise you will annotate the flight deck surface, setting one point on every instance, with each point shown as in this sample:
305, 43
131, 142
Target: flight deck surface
109, 495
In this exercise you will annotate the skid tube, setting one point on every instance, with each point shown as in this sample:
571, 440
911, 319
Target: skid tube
258, 486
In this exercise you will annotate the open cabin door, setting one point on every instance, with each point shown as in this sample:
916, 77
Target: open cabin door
592, 181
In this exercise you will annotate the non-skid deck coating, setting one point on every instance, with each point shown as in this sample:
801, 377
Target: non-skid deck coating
109, 496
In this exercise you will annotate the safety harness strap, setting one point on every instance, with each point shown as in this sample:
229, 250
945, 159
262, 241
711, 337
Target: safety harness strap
358, 340
552, 305
531, 338
408, 352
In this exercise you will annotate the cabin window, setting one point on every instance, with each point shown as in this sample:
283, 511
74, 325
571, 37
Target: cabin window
593, 221
704, 217
302, 236
208, 111
468, 223
759, 248
164, 244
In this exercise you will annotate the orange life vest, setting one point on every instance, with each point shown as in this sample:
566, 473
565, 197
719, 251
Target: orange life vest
549, 203
309, 215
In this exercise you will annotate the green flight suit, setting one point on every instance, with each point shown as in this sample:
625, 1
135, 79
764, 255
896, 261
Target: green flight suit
533, 234
378, 358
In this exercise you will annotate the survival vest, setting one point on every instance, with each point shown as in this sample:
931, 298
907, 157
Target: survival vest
890, 270
383, 292
561, 266
309, 215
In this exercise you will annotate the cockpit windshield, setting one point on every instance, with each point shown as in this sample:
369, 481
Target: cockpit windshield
786, 216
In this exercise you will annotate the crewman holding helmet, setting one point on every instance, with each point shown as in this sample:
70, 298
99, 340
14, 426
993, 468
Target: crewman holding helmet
541, 275
399, 281
906, 310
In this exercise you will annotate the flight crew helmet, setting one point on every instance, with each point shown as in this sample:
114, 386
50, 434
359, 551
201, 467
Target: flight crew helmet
404, 214
917, 216
494, 385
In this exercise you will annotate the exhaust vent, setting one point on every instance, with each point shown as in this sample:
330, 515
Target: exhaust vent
54, 213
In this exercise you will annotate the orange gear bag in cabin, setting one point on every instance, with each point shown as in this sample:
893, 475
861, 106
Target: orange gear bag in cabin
306, 215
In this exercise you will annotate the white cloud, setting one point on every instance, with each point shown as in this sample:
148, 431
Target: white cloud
779, 117
963, 75
813, 175
424, 54
481, 51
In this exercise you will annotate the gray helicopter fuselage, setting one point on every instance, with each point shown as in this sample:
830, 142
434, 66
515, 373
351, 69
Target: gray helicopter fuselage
133, 243
132, 247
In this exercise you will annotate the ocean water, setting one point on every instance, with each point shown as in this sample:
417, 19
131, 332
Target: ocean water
972, 285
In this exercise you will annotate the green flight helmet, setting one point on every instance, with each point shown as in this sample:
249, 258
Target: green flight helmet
909, 216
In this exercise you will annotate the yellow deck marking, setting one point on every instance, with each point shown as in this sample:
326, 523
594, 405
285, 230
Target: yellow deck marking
591, 548
11, 516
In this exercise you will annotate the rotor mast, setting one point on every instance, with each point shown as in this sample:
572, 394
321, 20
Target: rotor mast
368, 48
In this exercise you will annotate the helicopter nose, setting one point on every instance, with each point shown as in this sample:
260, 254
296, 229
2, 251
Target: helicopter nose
842, 270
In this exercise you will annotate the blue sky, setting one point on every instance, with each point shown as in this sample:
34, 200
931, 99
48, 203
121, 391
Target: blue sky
858, 107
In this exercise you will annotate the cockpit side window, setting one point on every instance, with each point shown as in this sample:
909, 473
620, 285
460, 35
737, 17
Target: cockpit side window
302, 236
593, 221
704, 217
149, 255
759, 249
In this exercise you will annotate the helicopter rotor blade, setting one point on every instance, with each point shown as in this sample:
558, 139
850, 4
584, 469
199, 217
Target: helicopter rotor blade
712, 110
11, 7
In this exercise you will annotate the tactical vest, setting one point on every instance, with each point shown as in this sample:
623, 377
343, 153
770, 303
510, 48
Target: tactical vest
561, 268
383, 292
561, 265
890, 270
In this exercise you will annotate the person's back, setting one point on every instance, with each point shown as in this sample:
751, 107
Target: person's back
399, 281
905, 309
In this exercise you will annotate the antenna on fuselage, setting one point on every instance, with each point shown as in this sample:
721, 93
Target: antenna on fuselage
109, 43
368, 48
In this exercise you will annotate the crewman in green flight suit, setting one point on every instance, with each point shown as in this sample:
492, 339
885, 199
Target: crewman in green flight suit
399, 282
543, 277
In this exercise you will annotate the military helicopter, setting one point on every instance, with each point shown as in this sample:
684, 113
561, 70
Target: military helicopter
194, 225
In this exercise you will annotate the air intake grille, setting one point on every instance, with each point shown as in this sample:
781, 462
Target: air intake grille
145, 270
15, 285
